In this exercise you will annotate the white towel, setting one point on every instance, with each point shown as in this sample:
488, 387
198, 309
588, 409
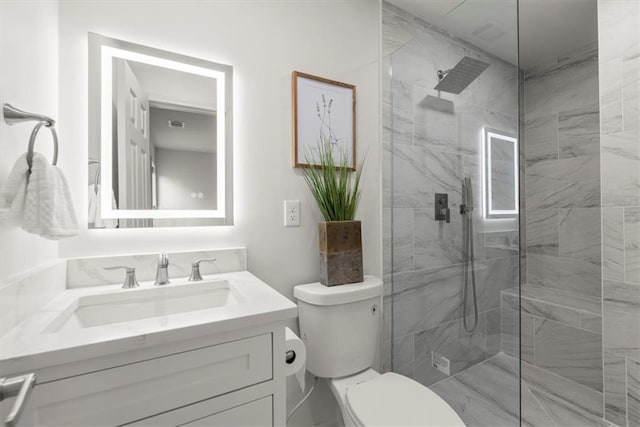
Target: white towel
94, 217
40, 201
14, 191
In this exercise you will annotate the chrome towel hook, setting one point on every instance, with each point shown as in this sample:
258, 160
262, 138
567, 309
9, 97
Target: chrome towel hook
14, 115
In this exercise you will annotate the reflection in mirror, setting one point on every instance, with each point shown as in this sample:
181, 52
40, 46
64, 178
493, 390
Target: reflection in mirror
500, 174
161, 138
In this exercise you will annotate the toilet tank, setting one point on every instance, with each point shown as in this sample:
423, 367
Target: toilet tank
340, 326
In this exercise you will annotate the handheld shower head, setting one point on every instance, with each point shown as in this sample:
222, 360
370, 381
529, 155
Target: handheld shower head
467, 197
469, 193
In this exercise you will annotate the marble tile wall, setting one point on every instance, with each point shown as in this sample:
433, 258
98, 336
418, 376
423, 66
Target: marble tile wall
619, 64
562, 175
561, 354
430, 144
561, 300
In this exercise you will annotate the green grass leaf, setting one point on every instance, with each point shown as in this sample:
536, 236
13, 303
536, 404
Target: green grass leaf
334, 186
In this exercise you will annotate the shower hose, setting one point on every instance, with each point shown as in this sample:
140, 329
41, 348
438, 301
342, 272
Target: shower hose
468, 261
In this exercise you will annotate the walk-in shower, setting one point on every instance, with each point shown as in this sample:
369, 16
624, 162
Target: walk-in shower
524, 309
447, 272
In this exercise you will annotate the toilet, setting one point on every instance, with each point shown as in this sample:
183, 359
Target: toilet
341, 326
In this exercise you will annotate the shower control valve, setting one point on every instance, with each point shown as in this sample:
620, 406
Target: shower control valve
442, 211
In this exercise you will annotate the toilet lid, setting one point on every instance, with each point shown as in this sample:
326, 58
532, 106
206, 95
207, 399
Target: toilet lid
394, 400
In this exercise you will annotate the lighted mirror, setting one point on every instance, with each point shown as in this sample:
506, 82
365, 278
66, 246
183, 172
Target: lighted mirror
160, 137
500, 174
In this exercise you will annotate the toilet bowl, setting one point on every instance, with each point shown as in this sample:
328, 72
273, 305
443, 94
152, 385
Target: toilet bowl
341, 327
373, 399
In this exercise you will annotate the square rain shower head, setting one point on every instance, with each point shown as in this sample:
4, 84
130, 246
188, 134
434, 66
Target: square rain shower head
459, 77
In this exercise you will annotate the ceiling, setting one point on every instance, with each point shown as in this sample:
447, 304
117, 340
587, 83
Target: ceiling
166, 85
548, 28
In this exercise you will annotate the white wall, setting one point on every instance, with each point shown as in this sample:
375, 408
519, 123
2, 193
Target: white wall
264, 41
29, 81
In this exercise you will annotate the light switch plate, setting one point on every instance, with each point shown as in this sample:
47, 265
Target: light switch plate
292, 213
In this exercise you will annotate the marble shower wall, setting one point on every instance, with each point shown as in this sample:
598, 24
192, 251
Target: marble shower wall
429, 146
562, 176
559, 307
619, 64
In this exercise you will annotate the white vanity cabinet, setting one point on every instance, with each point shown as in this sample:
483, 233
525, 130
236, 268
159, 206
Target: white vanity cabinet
235, 379
211, 353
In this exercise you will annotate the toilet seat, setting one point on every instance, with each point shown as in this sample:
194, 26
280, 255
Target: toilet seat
394, 400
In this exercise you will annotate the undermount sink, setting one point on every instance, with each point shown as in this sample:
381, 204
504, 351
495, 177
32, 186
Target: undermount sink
127, 305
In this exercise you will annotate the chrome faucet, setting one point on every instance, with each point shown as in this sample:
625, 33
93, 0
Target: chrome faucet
162, 273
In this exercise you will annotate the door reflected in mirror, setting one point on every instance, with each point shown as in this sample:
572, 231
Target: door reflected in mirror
162, 138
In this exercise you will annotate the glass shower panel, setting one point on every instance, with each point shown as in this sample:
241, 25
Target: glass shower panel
452, 203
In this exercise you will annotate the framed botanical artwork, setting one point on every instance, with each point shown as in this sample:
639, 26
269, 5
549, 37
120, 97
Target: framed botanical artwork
324, 112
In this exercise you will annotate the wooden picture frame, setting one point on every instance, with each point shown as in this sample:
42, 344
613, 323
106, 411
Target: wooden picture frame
323, 109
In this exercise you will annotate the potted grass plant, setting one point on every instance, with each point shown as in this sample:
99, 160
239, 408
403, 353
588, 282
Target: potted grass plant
336, 190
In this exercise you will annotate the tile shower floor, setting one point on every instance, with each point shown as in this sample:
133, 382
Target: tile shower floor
487, 395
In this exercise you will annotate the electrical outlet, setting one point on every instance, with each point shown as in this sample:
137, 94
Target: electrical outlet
292, 213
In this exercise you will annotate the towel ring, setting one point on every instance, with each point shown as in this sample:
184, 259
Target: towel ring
32, 141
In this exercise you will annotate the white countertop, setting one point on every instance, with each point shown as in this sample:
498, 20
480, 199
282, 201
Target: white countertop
30, 346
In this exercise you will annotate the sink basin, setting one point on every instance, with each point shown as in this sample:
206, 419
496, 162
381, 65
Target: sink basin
127, 305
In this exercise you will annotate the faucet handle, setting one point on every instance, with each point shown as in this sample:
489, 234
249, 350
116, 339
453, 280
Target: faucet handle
130, 279
195, 269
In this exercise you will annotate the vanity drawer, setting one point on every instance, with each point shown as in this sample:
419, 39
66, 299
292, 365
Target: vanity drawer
138, 390
252, 406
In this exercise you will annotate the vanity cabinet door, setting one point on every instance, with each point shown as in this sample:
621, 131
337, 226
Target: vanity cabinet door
132, 392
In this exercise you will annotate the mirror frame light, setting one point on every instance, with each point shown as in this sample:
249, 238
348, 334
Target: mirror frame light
488, 211
102, 50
